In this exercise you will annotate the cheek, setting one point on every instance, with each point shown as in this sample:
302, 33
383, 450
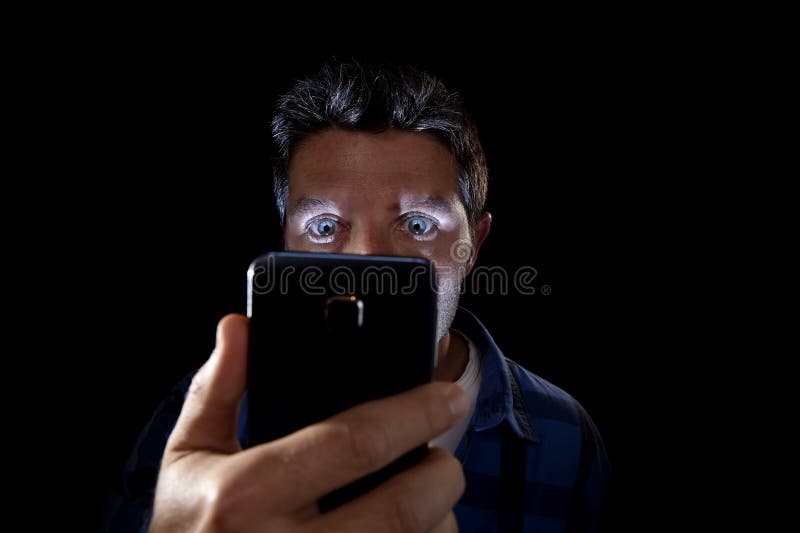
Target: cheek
298, 243
290, 241
452, 257
447, 249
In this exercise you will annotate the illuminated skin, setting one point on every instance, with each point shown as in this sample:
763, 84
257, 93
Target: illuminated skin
391, 193
351, 193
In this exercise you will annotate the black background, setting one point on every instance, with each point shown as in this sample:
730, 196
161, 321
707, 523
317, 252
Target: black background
579, 133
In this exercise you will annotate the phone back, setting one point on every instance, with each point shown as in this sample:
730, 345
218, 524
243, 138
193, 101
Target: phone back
331, 331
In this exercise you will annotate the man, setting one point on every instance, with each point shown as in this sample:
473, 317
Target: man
377, 160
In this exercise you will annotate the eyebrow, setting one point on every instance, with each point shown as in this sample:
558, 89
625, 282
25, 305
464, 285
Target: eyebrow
434, 203
305, 205
308, 205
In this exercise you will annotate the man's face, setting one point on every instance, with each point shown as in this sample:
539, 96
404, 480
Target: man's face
392, 193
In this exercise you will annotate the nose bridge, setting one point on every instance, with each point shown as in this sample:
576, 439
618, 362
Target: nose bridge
368, 239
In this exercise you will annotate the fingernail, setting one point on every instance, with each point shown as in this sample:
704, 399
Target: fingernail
457, 401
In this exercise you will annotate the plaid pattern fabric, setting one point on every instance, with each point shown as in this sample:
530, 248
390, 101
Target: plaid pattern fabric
532, 457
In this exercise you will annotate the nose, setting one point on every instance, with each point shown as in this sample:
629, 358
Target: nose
368, 241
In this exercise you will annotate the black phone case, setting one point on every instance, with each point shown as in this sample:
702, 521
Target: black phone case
331, 331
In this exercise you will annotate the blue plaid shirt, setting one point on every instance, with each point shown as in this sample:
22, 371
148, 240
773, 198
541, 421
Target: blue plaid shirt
533, 459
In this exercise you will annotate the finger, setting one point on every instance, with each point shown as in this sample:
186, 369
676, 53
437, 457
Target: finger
417, 499
210, 412
448, 525
312, 462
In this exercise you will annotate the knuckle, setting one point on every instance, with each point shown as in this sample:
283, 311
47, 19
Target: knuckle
451, 470
220, 508
449, 523
368, 444
435, 413
459, 481
403, 517
455, 473
433, 419
198, 384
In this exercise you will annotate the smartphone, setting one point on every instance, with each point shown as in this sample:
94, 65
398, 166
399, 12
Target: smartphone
331, 331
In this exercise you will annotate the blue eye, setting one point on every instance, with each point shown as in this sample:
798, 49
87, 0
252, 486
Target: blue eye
417, 225
325, 227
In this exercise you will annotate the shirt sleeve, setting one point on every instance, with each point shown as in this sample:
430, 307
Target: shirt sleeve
594, 473
131, 503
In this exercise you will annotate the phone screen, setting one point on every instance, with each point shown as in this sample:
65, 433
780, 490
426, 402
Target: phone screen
331, 331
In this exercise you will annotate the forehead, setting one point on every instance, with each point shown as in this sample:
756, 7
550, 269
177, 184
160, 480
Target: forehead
387, 163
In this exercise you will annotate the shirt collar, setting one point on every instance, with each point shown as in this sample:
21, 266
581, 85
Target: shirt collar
500, 397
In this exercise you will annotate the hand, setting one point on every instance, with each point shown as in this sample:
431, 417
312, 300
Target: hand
207, 483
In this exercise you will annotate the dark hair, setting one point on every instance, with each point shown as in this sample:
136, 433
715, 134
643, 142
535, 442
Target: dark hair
375, 98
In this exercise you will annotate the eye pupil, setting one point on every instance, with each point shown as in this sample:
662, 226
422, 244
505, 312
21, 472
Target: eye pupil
417, 226
325, 228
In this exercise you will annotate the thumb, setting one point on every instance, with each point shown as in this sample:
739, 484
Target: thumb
210, 412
